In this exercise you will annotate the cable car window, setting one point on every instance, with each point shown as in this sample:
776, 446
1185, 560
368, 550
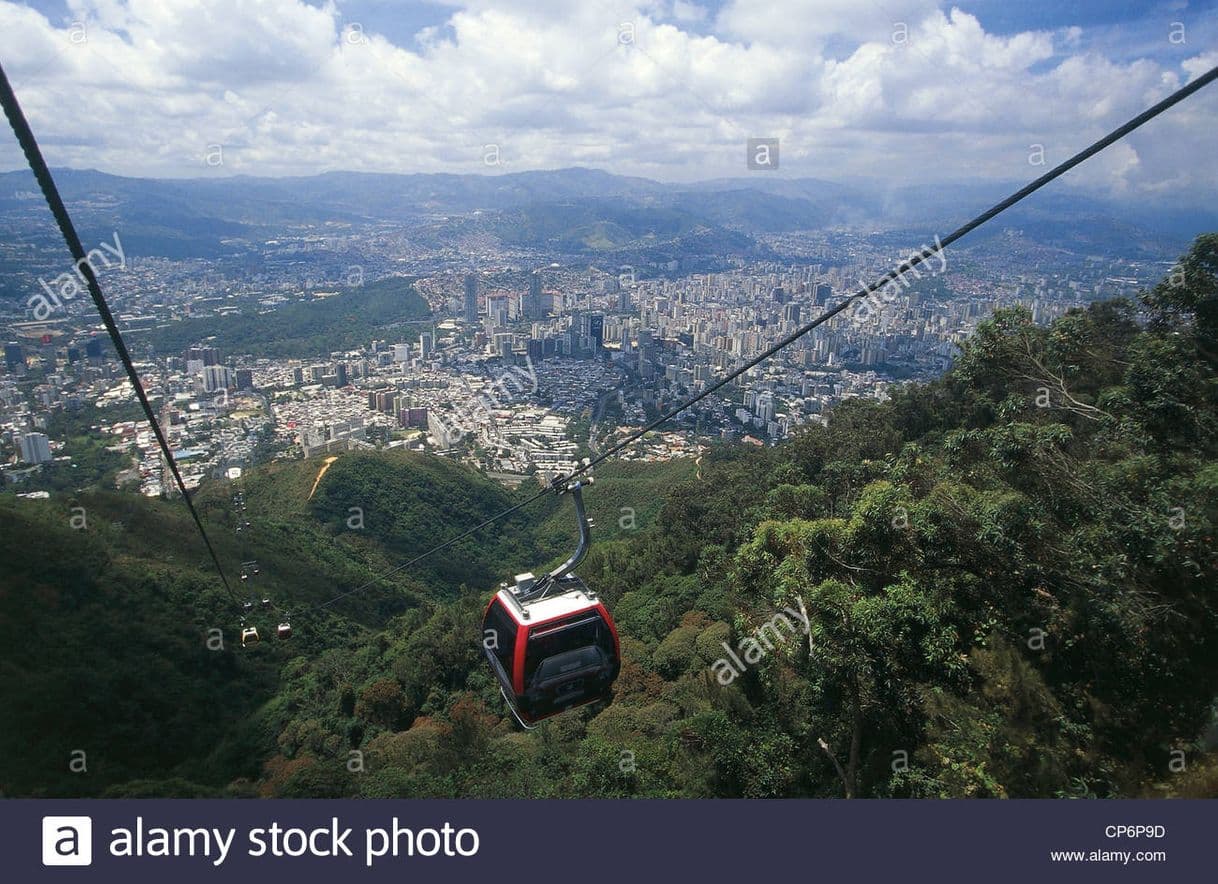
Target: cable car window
572, 661
546, 643
500, 635
541, 632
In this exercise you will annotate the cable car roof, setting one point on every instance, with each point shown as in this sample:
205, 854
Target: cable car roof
558, 605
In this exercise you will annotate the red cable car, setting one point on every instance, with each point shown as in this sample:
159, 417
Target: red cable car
550, 642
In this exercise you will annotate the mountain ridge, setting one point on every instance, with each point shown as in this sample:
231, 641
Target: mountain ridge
196, 216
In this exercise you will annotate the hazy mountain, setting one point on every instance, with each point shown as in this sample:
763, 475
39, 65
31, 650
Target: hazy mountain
567, 211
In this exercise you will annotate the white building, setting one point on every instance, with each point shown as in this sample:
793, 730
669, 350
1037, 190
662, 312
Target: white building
217, 377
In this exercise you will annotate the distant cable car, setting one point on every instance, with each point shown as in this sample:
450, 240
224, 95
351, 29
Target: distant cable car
249, 635
284, 631
266, 603
247, 607
550, 642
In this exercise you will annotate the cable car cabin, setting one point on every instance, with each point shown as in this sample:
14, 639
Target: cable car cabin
249, 635
551, 643
284, 631
554, 654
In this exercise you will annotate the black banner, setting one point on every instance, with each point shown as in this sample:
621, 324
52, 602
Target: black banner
606, 841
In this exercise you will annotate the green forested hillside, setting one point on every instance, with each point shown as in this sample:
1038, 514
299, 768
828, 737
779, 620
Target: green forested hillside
306, 328
1008, 576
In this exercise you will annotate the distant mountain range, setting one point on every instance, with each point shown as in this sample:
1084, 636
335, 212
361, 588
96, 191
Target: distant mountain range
568, 212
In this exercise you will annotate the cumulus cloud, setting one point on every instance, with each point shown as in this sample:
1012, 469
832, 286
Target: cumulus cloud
910, 90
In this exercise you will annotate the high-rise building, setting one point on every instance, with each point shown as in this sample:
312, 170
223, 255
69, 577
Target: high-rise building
426, 342
340, 375
497, 310
14, 355
471, 298
570, 341
35, 448
532, 301
646, 343
387, 401
245, 379
592, 330
206, 355
765, 406
822, 292
93, 349
217, 377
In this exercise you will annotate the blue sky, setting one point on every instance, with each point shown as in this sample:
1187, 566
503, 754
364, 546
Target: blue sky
670, 89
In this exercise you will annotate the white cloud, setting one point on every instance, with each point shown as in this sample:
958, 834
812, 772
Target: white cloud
658, 89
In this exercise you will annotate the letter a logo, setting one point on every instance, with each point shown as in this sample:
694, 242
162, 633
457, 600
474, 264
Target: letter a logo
67, 841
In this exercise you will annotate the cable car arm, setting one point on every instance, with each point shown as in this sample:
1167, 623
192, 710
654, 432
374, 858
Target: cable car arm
585, 534
542, 587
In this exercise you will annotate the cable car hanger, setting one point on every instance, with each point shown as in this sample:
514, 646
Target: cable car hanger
551, 581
